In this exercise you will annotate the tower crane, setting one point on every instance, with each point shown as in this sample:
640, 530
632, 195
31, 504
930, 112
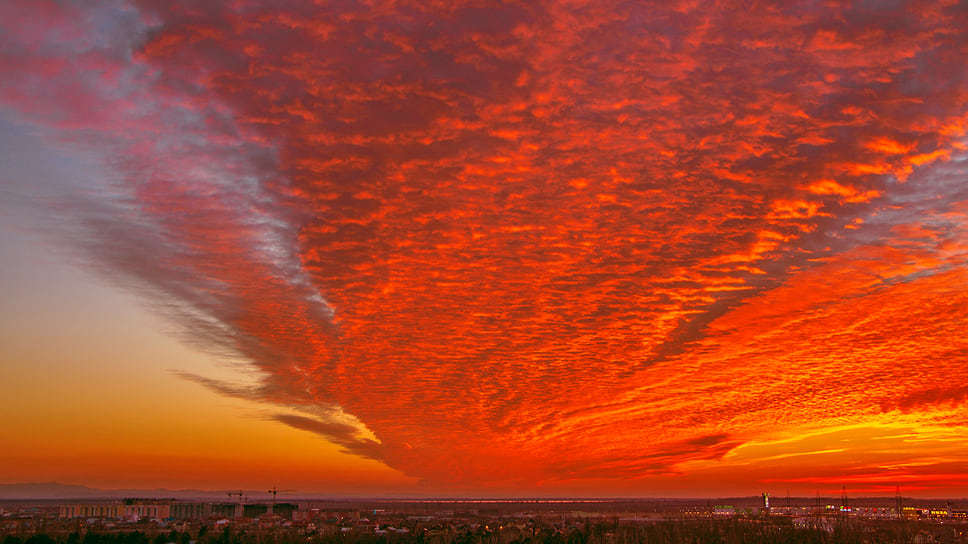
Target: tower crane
274, 491
240, 493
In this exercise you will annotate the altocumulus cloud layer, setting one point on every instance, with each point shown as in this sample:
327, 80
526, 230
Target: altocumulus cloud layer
515, 242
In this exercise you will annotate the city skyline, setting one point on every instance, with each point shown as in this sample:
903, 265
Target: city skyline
488, 249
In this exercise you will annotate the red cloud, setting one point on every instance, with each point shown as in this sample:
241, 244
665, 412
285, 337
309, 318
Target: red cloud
535, 241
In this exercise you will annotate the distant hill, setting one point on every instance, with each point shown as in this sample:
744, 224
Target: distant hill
53, 490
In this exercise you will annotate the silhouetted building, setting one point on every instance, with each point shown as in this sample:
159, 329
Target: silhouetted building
135, 509
284, 510
223, 510
254, 510
103, 510
132, 509
191, 510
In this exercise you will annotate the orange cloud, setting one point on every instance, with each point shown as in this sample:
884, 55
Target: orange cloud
536, 243
850, 194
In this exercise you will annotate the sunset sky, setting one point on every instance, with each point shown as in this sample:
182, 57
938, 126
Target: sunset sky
521, 248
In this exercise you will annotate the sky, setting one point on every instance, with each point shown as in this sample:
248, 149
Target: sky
485, 249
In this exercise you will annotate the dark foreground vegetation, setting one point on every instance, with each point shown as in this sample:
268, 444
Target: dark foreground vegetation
696, 531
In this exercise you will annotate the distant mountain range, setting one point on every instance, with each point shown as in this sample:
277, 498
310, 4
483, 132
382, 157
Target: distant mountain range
59, 491
53, 490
